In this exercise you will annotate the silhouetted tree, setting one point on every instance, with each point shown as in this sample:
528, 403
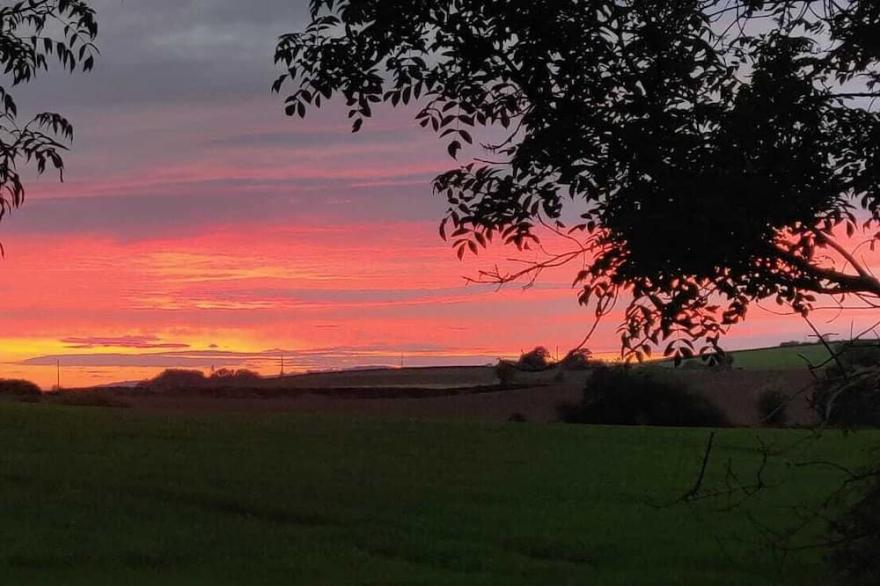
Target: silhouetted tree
32, 34
535, 359
848, 391
578, 359
619, 395
506, 373
175, 379
711, 150
229, 376
19, 388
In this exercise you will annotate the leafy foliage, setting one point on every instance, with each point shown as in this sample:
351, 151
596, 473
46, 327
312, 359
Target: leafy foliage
710, 149
621, 396
33, 33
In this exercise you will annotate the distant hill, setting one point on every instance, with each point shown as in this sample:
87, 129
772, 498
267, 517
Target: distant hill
778, 357
781, 357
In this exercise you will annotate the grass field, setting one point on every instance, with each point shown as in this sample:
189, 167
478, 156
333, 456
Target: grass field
776, 357
781, 357
94, 496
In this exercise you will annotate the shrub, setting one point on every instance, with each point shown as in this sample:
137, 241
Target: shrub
577, 360
506, 373
621, 396
723, 361
858, 353
177, 380
537, 359
857, 535
851, 401
19, 388
248, 375
773, 407
517, 418
230, 377
849, 392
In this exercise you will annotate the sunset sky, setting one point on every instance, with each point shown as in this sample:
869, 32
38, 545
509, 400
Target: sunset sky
199, 226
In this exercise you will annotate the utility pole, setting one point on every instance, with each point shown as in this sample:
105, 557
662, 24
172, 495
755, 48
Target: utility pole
282, 364
58, 373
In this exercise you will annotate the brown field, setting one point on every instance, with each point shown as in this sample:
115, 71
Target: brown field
455, 393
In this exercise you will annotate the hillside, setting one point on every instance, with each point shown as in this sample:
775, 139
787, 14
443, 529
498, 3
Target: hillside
774, 357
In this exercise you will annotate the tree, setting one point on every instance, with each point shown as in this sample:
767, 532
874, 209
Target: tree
32, 34
578, 359
537, 358
711, 151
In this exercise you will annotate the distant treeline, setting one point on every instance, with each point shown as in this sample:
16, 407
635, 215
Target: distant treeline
180, 379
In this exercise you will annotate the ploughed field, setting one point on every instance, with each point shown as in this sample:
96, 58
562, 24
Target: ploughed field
474, 392
116, 496
453, 393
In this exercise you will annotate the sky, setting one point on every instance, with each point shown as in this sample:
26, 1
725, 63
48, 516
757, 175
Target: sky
197, 226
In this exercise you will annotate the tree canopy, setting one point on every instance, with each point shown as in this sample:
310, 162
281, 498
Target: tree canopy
712, 152
33, 34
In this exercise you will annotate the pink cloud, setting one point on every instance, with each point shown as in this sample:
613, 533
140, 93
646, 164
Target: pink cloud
132, 342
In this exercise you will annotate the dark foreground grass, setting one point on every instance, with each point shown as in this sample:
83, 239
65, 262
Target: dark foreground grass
119, 497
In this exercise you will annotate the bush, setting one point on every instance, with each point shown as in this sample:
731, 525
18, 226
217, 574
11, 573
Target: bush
723, 361
19, 388
849, 392
621, 396
506, 373
773, 407
223, 373
853, 401
856, 558
577, 360
230, 377
858, 353
177, 380
535, 360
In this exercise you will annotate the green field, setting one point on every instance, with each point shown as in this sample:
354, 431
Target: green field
119, 497
782, 358
776, 357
